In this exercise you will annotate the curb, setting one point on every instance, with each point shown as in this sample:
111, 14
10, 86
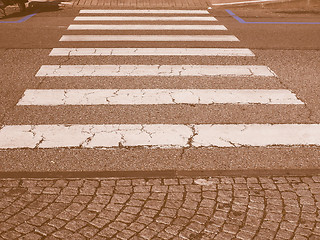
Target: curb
247, 2
164, 173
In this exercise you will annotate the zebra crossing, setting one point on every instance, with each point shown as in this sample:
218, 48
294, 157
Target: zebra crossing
162, 135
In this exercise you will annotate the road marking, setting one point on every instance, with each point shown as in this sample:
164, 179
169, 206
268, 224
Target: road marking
243, 2
155, 70
156, 38
158, 135
20, 20
113, 11
53, 97
138, 18
151, 52
144, 27
240, 20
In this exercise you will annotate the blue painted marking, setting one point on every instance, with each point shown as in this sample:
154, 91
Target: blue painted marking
21, 20
240, 20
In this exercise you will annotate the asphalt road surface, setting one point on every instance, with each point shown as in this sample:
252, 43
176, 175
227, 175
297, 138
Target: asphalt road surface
162, 92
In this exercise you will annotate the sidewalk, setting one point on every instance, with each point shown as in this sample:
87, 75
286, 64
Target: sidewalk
185, 4
152, 4
161, 208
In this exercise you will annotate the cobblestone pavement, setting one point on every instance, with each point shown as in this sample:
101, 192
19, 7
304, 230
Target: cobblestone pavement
161, 208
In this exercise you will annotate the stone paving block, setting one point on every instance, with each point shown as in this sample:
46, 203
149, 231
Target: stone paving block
174, 204
138, 182
31, 236
119, 226
195, 227
37, 221
231, 228
76, 182
10, 235
22, 228
157, 196
107, 183
165, 235
57, 223
18, 218
51, 190
103, 199
99, 222
154, 204
161, 189
64, 234
283, 234
123, 189
65, 198
95, 207
126, 217
132, 210
156, 226
89, 183
164, 220
73, 207
171, 181
74, 225
66, 215
125, 234
11, 210
77, 236
86, 215
136, 226
147, 233
105, 190
148, 212
123, 182
45, 229
89, 191
89, 231
70, 191
113, 207
142, 189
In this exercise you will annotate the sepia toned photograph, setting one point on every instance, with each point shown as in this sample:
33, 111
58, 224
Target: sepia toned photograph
160, 119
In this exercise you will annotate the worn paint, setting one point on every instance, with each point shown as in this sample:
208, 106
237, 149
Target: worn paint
155, 70
52, 97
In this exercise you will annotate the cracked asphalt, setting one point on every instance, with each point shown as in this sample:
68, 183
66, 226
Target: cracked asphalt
291, 52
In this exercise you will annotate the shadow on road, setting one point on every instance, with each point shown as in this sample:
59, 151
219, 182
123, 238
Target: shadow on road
33, 7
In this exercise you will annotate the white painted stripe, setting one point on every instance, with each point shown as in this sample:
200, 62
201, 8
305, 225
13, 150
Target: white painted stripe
54, 97
154, 70
114, 11
145, 27
243, 2
138, 18
156, 38
158, 135
151, 52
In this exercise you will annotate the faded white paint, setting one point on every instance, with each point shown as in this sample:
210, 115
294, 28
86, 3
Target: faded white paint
144, 27
144, 18
142, 11
151, 52
156, 96
158, 135
156, 38
154, 70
